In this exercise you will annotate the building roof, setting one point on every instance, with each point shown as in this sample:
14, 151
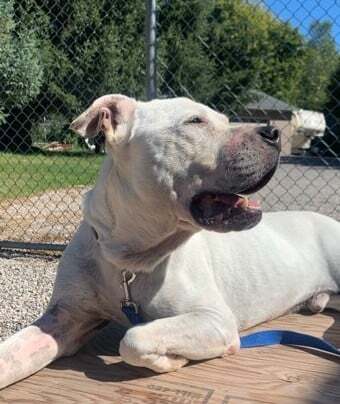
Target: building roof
265, 102
265, 107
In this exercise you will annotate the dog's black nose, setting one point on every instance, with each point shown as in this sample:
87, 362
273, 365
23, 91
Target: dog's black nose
270, 134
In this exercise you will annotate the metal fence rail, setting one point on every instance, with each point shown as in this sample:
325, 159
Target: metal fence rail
257, 61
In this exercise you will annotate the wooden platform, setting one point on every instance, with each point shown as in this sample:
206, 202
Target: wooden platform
262, 375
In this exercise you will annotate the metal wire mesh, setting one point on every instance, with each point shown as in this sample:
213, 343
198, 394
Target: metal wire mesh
257, 61
56, 57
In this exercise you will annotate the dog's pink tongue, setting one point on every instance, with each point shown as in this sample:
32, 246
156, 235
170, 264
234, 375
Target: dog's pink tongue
253, 204
244, 203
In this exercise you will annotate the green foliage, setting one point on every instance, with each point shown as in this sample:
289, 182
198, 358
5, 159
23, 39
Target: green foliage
21, 70
330, 143
87, 49
94, 48
21, 77
184, 64
51, 128
257, 51
21, 176
218, 51
56, 56
321, 62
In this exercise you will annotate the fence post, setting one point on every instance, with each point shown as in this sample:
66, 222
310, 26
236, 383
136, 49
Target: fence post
151, 37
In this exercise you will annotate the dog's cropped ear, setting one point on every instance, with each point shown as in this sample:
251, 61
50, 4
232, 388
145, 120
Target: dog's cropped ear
111, 114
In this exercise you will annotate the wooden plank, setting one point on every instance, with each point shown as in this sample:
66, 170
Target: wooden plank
262, 375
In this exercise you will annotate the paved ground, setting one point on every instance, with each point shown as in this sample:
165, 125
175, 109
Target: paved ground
299, 187
26, 280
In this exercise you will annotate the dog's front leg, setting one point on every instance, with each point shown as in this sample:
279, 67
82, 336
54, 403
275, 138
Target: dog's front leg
58, 332
167, 344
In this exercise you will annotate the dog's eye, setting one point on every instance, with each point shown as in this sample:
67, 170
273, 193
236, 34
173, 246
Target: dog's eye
193, 120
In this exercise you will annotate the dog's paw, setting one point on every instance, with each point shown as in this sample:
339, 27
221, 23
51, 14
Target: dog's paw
158, 363
318, 302
138, 351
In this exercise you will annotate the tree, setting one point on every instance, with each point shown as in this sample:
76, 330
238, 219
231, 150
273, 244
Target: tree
320, 63
184, 65
86, 48
95, 48
21, 77
72, 51
218, 51
329, 144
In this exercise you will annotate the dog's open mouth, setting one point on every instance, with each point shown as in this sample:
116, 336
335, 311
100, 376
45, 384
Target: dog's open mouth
220, 212
223, 212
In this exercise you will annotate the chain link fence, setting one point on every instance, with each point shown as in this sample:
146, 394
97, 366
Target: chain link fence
257, 61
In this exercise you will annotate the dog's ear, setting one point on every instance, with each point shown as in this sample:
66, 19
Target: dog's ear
111, 114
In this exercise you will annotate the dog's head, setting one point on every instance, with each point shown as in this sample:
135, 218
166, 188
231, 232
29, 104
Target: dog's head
182, 157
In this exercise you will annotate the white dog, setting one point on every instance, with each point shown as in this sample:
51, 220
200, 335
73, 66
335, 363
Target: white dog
168, 207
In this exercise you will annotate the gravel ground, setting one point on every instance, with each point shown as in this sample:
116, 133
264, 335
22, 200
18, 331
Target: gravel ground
25, 288
26, 279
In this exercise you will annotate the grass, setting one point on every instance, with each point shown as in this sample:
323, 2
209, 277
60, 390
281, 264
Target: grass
24, 175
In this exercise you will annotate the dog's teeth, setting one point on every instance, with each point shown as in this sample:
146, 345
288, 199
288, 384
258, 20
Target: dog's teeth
242, 203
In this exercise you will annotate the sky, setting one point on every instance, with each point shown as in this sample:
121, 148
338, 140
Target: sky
302, 12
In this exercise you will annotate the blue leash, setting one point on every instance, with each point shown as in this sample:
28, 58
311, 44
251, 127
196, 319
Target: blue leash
284, 337
132, 314
260, 338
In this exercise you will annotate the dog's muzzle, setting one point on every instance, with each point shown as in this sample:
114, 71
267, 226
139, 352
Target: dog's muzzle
226, 212
231, 210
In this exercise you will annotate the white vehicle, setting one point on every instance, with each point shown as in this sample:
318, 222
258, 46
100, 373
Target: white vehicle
307, 125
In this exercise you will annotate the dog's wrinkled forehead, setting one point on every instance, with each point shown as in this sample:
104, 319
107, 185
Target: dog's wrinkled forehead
158, 114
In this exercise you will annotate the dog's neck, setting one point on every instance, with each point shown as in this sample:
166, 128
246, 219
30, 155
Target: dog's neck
131, 234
